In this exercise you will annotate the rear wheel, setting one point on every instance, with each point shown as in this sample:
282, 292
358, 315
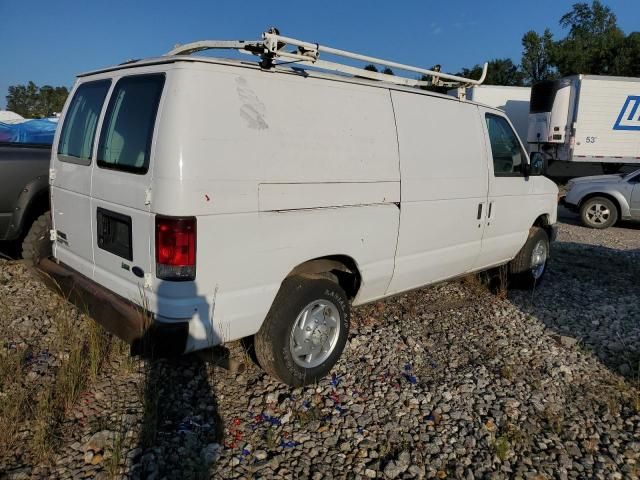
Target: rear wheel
527, 269
598, 212
305, 330
37, 243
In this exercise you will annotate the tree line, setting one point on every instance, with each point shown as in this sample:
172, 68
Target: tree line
32, 101
594, 44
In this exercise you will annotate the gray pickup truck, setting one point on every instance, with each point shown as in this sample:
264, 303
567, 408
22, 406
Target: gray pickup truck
24, 197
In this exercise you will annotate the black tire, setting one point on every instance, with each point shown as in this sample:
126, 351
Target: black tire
521, 269
598, 212
272, 342
37, 243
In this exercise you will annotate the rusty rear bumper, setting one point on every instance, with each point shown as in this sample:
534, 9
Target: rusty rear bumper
117, 315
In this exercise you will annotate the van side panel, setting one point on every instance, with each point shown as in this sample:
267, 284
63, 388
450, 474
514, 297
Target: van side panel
250, 254
444, 189
226, 130
279, 170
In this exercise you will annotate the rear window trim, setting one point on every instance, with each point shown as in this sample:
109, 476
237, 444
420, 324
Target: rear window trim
85, 162
127, 168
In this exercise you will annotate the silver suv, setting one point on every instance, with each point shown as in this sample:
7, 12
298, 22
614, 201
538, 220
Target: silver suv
602, 200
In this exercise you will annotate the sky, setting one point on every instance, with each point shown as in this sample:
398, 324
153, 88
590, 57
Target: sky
49, 42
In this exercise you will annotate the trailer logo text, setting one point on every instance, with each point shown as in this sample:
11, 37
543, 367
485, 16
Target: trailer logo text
629, 118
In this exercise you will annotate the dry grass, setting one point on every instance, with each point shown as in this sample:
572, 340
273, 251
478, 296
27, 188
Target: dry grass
32, 406
113, 463
502, 446
13, 399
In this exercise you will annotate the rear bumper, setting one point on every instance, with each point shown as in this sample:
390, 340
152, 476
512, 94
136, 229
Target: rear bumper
117, 315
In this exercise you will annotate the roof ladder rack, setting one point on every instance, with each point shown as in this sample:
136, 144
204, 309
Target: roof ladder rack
273, 46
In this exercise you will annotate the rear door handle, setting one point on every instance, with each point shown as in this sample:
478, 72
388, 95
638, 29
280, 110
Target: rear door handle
490, 208
479, 211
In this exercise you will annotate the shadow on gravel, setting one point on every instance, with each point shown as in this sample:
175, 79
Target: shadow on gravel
591, 296
181, 429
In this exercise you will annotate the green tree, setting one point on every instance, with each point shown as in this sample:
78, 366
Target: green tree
501, 71
593, 41
32, 101
22, 99
537, 56
627, 61
371, 68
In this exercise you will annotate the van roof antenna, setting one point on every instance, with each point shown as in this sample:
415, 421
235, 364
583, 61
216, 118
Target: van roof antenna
273, 47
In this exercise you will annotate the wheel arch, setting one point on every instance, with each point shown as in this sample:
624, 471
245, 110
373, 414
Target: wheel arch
620, 204
32, 202
544, 221
341, 268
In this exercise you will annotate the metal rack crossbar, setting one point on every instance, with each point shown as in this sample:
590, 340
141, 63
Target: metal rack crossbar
272, 47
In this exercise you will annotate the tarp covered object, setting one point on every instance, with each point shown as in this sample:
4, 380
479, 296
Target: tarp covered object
29, 131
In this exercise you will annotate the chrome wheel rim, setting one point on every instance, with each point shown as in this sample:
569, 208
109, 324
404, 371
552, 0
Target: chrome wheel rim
315, 333
539, 259
598, 213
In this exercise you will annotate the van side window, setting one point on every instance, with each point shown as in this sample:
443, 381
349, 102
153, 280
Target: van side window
127, 130
508, 156
79, 129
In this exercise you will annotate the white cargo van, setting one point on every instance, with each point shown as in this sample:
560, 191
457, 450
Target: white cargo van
228, 199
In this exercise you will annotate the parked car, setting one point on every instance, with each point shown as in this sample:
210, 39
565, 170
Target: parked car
24, 197
227, 199
604, 199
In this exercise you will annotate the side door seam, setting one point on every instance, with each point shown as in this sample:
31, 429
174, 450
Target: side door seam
395, 254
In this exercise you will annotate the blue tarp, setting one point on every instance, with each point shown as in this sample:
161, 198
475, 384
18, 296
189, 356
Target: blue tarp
29, 131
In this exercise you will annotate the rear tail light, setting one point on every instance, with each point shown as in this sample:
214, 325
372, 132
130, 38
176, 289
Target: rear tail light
176, 248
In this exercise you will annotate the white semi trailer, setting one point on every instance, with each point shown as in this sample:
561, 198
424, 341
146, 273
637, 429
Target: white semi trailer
586, 124
514, 101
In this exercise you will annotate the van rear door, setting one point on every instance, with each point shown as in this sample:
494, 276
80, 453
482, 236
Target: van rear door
71, 176
121, 182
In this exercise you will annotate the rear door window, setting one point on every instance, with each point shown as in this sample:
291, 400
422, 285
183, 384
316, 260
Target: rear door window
127, 130
508, 156
79, 129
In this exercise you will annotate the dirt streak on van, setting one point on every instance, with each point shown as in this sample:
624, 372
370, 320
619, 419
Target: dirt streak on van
231, 201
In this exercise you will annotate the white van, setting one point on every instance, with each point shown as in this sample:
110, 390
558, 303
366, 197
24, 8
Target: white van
229, 200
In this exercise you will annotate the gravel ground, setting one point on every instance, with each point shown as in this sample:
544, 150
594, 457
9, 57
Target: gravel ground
450, 381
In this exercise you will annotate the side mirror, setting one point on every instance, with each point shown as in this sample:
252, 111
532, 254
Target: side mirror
537, 164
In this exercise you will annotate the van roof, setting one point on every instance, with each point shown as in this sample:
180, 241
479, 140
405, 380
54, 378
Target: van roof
189, 59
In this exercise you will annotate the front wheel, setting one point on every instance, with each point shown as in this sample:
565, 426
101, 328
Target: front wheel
305, 330
598, 212
527, 269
